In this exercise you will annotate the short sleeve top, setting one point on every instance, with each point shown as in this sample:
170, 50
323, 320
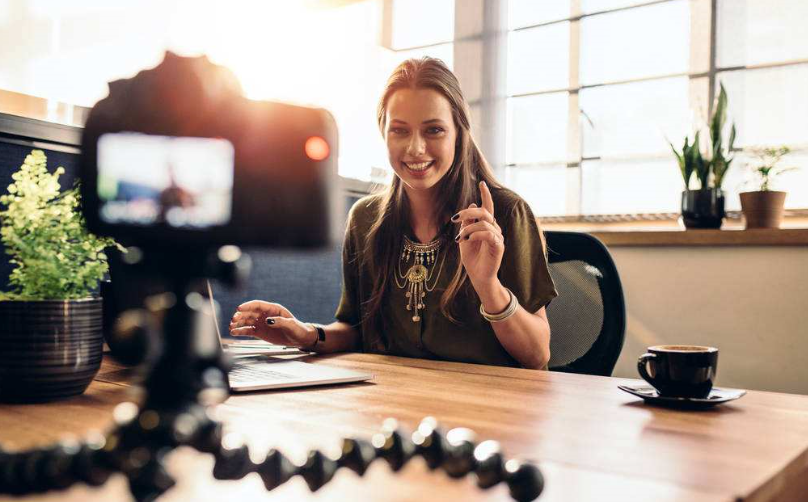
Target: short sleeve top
523, 270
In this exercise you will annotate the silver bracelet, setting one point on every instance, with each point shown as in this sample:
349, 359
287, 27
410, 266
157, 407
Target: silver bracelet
509, 310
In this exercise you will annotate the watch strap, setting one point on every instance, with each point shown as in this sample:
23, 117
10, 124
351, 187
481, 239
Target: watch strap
320, 335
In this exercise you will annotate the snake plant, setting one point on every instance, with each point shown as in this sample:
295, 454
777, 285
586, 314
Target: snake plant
709, 169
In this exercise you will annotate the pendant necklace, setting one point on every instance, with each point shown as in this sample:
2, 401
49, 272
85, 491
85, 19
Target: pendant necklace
418, 276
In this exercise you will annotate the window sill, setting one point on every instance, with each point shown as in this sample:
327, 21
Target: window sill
794, 232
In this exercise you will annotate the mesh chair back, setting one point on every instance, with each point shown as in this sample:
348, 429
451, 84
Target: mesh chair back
588, 318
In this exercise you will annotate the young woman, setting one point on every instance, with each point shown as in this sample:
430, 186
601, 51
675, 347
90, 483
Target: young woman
446, 263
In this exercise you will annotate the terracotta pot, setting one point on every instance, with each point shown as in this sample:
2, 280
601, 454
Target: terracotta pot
763, 209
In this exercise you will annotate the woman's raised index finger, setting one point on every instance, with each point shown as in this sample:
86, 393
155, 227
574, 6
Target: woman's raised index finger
485, 194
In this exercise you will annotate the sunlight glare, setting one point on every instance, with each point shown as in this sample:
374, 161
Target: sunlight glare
279, 50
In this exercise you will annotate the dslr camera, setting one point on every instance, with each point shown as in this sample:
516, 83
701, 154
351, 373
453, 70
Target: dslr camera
177, 158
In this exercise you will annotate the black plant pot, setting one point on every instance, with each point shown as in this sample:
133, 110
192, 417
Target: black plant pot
49, 349
703, 208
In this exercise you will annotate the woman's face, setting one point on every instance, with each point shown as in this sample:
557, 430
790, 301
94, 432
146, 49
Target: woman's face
420, 135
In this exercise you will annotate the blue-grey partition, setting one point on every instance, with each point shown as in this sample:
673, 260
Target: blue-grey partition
308, 283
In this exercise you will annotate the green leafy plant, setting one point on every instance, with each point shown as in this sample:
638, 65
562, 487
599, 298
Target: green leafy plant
690, 160
711, 165
53, 254
766, 169
721, 158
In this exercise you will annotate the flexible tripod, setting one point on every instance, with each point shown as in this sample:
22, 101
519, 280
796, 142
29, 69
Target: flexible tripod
186, 377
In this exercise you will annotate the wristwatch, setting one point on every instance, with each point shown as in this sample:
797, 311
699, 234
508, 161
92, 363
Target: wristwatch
320, 335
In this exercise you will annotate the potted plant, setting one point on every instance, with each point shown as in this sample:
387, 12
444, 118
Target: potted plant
704, 207
763, 208
50, 336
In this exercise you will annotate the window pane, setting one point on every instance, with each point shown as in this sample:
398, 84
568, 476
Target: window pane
444, 52
538, 59
646, 41
632, 119
588, 6
636, 186
543, 188
51, 51
530, 12
537, 128
769, 106
795, 182
761, 31
422, 22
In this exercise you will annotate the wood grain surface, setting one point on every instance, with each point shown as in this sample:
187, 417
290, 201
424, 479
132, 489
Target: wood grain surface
592, 441
751, 237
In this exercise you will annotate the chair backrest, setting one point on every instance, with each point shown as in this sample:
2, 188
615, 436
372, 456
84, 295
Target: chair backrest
588, 318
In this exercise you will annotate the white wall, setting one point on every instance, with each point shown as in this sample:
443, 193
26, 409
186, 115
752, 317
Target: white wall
750, 302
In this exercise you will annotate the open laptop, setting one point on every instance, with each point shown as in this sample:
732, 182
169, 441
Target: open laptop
259, 371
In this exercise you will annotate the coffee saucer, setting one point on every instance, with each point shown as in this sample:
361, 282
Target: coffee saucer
651, 395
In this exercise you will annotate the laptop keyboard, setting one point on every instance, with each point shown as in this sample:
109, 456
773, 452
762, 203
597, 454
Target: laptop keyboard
252, 372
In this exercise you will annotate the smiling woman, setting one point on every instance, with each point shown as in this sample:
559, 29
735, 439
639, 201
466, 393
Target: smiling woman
444, 264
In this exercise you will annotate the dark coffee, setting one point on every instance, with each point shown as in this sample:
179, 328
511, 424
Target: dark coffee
680, 370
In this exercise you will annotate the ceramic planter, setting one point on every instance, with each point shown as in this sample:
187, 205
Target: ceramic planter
703, 208
763, 209
49, 349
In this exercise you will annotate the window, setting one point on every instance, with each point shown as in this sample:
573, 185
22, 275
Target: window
762, 60
316, 52
595, 95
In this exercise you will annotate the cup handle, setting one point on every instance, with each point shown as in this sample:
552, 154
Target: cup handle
642, 362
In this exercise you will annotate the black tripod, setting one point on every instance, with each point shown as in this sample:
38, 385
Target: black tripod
186, 374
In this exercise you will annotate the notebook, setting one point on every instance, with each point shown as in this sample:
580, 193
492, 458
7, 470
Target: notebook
259, 371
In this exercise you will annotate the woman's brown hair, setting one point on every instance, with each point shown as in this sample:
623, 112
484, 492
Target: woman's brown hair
458, 187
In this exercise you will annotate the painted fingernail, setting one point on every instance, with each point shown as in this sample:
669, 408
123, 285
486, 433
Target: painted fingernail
457, 239
270, 321
456, 217
468, 237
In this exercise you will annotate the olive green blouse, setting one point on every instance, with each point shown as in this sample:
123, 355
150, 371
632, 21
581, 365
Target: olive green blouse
523, 271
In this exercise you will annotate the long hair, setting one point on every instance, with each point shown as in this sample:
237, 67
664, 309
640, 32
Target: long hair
458, 189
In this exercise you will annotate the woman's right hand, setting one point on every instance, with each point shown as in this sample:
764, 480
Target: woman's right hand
253, 318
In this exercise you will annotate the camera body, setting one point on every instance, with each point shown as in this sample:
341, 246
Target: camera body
176, 157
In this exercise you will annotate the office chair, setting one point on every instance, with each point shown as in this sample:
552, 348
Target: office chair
588, 318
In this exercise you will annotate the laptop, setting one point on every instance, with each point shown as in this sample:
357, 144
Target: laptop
254, 369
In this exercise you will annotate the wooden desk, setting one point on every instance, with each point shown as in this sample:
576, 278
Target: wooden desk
592, 441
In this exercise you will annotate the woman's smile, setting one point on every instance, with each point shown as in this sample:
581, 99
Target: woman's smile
418, 168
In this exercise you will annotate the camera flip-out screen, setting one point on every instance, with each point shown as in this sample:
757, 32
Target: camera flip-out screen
181, 182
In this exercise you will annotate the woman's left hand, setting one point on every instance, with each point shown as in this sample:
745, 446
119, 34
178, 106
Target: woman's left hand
481, 241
